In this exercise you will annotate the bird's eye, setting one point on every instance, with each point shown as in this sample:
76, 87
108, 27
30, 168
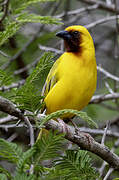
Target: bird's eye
75, 32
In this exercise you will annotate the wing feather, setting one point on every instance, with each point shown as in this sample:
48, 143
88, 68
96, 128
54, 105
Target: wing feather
52, 79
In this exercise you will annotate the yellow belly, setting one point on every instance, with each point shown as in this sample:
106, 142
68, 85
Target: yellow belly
76, 85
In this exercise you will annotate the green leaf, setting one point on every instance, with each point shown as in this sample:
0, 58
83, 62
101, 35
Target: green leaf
76, 164
59, 113
24, 176
24, 159
10, 151
5, 79
28, 96
3, 177
28, 17
9, 31
45, 62
48, 145
5, 172
19, 6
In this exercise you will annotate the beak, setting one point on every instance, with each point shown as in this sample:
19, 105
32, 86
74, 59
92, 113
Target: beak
64, 34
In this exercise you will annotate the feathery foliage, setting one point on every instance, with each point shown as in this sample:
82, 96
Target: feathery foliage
4, 173
71, 164
18, 15
77, 165
5, 79
25, 159
10, 29
28, 96
26, 17
19, 6
48, 145
3, 176
9, 151
59, 113
24, 176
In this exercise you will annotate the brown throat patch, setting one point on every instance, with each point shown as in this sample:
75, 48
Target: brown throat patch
73, 44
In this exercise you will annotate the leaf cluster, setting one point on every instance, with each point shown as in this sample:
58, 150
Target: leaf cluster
28, 97
5, 79
45, 160
59, 113
18, 15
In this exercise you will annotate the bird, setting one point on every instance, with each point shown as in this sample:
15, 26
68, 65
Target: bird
72, 80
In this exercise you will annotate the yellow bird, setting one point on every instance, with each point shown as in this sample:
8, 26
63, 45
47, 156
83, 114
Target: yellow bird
71, 81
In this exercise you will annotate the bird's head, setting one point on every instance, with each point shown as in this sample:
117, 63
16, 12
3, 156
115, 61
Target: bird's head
75, 38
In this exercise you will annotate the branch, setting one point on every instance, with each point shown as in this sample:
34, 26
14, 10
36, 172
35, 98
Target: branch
4, 54
46, 48
7, 119
13, 85
78, 11
103, 97
33, 38
81, 139
108, 173
86, 142
107, 74
102, 5
99, 132
34, 63
22, 50
6, 5
100, 21
9, 108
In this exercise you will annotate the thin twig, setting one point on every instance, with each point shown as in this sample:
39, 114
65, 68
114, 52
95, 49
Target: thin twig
78, 11
102, 168
102, 5
30, 130
116, 49
107, 74
105, 133
10, 126
7, 119
100, 21
27, 67
95, 132
6, 5
4, 54
46, 48
4, 66
13, 85
108, 87
12, 137
8, 107
108, 173
103, 97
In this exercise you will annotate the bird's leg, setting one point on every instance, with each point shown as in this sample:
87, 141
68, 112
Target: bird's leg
77, 130
64, 126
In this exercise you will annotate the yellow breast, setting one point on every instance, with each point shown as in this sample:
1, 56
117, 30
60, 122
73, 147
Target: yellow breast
77, 76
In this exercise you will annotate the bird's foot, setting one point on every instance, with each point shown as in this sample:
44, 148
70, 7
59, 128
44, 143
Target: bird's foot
64, 126
88, 137
77, 130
